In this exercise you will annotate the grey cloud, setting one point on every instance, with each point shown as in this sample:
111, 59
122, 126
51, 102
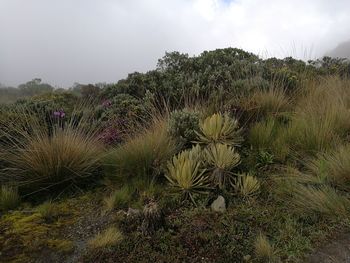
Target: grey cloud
94, 41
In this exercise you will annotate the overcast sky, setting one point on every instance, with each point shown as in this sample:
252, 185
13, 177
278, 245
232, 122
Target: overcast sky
89, 41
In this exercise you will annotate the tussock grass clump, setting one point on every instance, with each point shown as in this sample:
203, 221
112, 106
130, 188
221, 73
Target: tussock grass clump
39, 159
321, 117
262, 134
270, 135
186, 174
308, 193
219, 128
110, 237
322, 200
267, 102
264, 251
312, 133
9, 198
333, 167
119, 198
143, 155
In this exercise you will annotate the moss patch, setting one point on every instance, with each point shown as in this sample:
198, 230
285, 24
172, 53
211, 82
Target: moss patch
27, 235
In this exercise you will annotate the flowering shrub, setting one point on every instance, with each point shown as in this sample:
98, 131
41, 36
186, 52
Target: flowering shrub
107, 103
182, 125
112, 132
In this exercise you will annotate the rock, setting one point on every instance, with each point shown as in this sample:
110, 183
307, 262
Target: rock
247, 258
219, 204
133, 212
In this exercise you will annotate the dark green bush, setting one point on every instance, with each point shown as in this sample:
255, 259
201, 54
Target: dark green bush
125, 110
182, 126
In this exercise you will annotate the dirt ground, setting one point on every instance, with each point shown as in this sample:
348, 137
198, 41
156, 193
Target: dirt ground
336, 251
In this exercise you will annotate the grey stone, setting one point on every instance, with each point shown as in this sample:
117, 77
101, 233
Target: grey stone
219, 204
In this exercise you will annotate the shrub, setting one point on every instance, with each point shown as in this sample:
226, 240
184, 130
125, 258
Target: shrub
9, 198
125, 109
247, 185
142, 155
45, 105
183, 125
110, 237
264, 251
222, 159
219, 128
185, 173
111, 133
40, 160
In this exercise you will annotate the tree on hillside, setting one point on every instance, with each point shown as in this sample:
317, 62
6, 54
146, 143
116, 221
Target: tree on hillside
34, 87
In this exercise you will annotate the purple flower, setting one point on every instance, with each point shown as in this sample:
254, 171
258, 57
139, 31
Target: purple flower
107, 103
59, 114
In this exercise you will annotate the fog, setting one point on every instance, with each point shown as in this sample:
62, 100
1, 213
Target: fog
91, 41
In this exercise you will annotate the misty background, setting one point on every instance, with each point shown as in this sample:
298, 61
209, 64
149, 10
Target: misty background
91, 41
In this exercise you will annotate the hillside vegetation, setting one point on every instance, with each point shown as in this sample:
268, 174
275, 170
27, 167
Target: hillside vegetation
222, 157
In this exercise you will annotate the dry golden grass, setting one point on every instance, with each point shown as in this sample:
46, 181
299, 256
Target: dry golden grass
333, 166
272, 101
110, 237
264, 251
322, 200
40, 157
321, 116
143, 154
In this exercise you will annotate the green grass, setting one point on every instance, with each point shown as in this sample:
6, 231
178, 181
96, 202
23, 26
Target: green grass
295, 143
321, 200
270, 136
9, 198
201, 235
143, 155
119, 199
333, 166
